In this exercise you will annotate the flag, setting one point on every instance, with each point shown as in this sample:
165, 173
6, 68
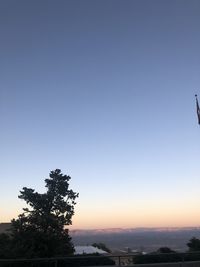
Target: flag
198, 109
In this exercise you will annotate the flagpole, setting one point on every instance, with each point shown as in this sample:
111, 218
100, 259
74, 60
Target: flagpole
198, 109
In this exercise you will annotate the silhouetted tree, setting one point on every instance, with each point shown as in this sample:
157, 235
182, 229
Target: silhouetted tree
194, 244
39, 231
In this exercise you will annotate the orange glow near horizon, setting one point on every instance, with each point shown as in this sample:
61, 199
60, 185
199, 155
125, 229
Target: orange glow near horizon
162, 214
153, 216
99, 221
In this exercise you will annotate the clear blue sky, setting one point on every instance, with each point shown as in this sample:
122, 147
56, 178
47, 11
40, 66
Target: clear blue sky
104, 90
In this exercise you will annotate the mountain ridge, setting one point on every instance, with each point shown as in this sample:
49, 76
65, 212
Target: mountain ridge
132, 230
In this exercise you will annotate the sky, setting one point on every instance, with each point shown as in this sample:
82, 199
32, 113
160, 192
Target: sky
103, 90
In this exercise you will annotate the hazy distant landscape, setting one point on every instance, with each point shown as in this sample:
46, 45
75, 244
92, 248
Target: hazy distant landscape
142, 239
145, 239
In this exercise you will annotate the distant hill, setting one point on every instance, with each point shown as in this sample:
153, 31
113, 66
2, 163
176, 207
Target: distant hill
145, 239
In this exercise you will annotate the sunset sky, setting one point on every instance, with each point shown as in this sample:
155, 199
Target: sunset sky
103, 90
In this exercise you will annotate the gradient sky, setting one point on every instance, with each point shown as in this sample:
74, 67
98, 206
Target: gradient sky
103, 90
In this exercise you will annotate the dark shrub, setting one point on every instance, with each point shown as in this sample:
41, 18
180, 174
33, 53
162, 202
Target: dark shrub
166, 257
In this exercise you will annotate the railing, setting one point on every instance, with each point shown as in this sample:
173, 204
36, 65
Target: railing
117, 260
153, 258
71, 261
167, 257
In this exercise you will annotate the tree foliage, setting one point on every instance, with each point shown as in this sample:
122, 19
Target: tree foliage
194, 244
39, 231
